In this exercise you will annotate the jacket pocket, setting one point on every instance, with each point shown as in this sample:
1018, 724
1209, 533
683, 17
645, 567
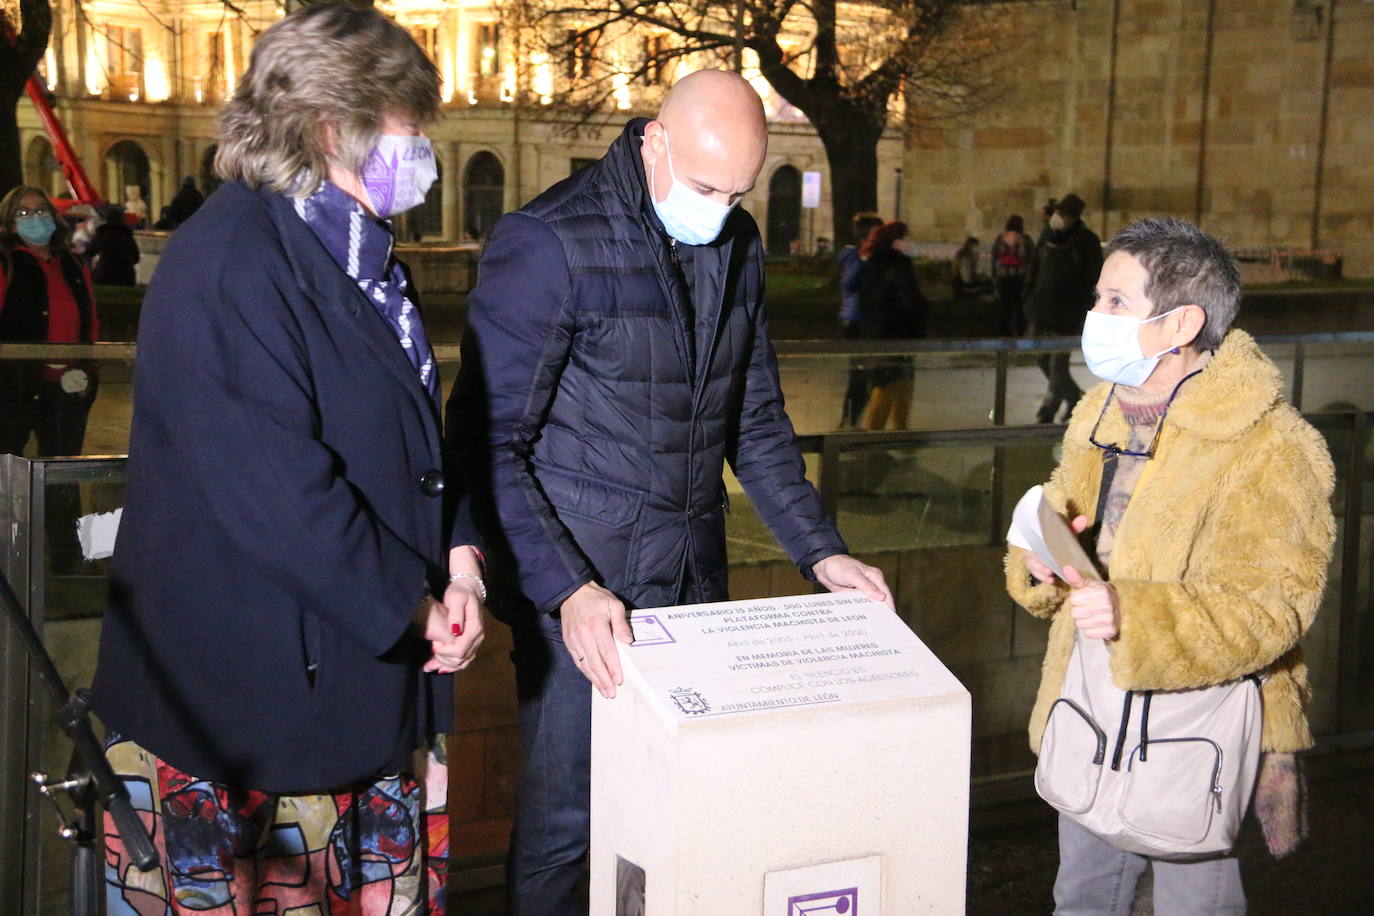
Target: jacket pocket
588, 497
1072, 752
604, 519
1174, 790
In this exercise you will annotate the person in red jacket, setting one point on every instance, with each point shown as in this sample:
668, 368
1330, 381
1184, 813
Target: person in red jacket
45, 297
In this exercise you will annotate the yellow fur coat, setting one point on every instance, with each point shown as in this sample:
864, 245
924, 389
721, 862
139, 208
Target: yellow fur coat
1220, 560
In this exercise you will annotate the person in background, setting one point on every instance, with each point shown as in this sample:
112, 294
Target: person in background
1012, 251
617, 356
185, 203
1059, 292
1213, 525
46, 296
893, 308
113, 250
295, 576
83, 221
847, 263
968, 283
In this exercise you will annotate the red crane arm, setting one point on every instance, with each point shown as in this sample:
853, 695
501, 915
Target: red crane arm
82, 189
77, 181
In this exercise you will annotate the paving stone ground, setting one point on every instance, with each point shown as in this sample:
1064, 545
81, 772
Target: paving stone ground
1013, 855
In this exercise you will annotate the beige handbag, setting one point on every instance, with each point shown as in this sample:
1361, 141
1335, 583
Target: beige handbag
1167, 774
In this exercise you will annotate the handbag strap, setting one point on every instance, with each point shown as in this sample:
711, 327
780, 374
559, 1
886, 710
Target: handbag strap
1109, 468
1109, 465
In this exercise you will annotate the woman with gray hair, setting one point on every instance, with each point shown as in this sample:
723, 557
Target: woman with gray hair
294, 577
1209, 501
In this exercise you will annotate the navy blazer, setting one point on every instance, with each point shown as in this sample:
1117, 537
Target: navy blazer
282, 517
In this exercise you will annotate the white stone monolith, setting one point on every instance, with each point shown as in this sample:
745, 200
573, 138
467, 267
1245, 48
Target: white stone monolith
800, 756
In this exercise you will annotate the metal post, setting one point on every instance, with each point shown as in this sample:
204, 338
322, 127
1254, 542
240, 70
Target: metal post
999, 470
14, 680
999, 396
828, 475
1347, 685
999, 453
39, 713
1299, 366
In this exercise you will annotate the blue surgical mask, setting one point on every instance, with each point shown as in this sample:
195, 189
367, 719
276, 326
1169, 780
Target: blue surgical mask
687, 216
1111, 348
36, 229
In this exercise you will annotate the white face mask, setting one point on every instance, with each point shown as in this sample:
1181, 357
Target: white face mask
1111, 348
687, 216
1057, 221
398, 173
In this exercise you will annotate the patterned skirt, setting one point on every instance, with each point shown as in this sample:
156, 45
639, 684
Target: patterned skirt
373, 849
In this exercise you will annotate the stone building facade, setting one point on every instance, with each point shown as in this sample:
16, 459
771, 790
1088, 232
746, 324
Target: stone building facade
1253, 117
137, 84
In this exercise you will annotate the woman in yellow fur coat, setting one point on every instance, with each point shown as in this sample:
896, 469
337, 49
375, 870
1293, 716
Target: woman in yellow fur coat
1216, 531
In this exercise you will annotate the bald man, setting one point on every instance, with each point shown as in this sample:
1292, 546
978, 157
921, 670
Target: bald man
617, 357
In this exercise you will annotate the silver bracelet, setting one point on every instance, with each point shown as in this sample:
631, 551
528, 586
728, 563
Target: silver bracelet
481, 586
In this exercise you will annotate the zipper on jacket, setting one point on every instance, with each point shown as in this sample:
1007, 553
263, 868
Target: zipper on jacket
1145, 725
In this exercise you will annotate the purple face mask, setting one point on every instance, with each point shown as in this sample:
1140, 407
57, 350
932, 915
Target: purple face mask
398, 173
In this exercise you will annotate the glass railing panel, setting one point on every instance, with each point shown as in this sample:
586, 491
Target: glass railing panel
1340, 645
1337, 375
97, 391
833, 391
70, 597
747, 539
901, 497
1027, 383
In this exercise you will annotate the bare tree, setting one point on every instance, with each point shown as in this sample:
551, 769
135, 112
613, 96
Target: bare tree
21, 49
853, 70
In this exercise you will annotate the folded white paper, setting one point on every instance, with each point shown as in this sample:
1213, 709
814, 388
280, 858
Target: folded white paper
1036, 527
97, 533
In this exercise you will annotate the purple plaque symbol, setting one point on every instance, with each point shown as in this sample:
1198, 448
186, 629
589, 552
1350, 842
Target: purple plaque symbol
649, 630
844, 902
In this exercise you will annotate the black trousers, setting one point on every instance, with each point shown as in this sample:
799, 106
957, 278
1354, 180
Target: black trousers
1009, 291
33, 405
1062, 388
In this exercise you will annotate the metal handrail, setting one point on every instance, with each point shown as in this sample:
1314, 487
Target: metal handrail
784, 348
1000, 348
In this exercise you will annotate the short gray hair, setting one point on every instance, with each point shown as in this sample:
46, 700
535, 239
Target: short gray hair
328, 63
1186, 266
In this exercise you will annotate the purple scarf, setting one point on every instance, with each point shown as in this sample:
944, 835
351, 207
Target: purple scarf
361, 245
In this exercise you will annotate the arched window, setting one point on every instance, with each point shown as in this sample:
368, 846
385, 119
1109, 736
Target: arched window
126, 168
41, 169
484, 195
784, 210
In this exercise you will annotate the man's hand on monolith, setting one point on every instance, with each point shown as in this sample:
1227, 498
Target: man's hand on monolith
593, 620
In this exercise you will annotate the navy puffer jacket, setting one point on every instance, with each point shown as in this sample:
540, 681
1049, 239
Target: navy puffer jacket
597, 415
